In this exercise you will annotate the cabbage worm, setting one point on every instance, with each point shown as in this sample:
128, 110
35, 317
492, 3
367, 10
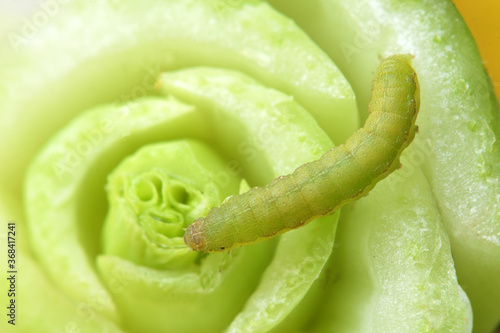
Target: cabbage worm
343, 174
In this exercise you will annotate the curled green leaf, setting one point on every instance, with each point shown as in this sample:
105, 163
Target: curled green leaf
154, 195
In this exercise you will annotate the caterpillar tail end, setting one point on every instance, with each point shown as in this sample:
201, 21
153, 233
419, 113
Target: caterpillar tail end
193, 237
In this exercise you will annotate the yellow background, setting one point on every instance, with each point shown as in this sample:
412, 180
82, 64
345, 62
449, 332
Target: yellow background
483, 19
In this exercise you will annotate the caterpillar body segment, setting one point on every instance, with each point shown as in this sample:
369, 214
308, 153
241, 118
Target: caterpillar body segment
341, 175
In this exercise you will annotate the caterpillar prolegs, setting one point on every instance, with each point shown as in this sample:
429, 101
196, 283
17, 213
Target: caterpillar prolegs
318, 188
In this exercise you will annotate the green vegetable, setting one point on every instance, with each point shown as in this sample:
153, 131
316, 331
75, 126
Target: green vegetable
124, 64
394, 267
81, 114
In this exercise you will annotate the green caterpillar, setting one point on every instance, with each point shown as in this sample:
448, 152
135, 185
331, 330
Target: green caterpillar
343, 174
